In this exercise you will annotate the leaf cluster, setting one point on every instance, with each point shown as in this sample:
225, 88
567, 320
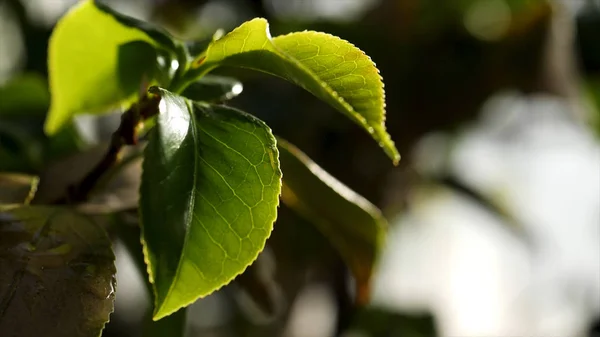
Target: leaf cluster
213, 176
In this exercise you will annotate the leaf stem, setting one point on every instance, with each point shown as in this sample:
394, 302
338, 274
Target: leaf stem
126, 134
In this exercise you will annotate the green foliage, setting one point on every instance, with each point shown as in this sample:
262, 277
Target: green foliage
25, 95
354, 226
96, 63
330, 68
57, 273
211, 177
209, 198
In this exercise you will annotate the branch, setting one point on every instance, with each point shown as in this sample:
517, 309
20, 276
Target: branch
126, 134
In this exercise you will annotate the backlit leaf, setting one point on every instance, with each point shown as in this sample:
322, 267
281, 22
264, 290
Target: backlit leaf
57, 273
210, 189
330, 68
98, 61
353, 225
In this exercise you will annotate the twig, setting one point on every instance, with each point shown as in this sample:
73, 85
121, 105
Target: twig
126, 134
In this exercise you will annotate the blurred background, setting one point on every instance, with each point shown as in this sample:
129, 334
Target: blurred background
494, 209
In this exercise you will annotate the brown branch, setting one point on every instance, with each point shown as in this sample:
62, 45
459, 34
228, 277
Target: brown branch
126, 134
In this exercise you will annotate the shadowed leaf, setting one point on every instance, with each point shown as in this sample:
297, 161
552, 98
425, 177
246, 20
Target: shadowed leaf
353, 225
57, 273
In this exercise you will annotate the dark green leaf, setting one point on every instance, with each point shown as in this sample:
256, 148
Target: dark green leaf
19, 150
208, 200
17, 188
330, 68
96, 62
24, 95
213, 89
162, 37
57, 273
354, 226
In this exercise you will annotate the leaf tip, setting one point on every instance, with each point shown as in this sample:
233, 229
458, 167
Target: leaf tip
395, 156
165, 308
386, 143
158, 314
54, 122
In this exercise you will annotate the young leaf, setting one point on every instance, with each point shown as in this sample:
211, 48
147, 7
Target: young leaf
210, 189
57, 273
157, 34
213, 89
330, 68
96, 61
17, 188
354, 226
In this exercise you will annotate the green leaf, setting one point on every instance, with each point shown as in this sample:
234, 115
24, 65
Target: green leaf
210, 189
24, 95
213, 89
96, 62
198, 48
330, 68
158, 35
354, 226
57, 273
17, 188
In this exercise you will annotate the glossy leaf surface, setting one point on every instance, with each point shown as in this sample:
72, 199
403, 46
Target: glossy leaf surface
212, 88
210, 189
330, 68
96, 62
57, 273
353, 225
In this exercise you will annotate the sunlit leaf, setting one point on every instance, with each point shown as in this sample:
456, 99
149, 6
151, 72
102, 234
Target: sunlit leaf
330, 68
17, 188
208, 200
157, 34
211, 88
352, 224
97, 61
57, 273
